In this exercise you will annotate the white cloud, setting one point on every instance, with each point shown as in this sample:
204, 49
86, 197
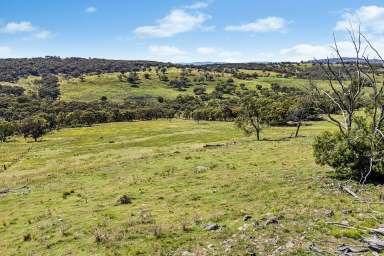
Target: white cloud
310, 51
206, 50
178, 21
268, 24
305, 52
15, 27
90, 9
5, 51
370, 17
43, 34
26, 27
198, 5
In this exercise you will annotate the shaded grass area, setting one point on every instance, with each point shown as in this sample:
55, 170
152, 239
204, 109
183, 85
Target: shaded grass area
75, 177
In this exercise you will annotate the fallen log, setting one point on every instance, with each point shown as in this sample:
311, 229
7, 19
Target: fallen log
214, 145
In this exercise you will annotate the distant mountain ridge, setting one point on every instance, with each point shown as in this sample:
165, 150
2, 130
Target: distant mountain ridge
345, 60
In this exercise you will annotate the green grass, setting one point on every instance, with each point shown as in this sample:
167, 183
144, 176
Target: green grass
108, 84
75, 177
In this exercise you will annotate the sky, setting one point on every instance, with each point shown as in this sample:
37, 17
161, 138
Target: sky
186, 30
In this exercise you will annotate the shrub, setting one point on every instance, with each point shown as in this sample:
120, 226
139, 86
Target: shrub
7, 129
350, 154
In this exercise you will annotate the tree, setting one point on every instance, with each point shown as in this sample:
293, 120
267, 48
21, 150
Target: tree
200, 90
133, 79
300, 109
48, 87
147, 76
356, 150
34, 127
104, 99
254, 114
7, 129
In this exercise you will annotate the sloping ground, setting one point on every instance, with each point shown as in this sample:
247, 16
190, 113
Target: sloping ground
64, 192
107, 84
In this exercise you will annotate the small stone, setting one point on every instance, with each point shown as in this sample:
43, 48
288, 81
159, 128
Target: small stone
243, 228
247, 217
329, 213
344, 222
212, 226
200, 169
187, 253
272, 220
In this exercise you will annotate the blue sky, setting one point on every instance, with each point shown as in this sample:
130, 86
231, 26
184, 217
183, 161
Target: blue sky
184, 31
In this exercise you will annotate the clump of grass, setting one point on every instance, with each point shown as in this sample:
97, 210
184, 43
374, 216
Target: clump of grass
101, 236
145, 216
349, 233
157, 231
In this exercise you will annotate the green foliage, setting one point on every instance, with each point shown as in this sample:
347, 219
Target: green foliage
7, 129
133, 79
255, 112
350, 154
49, 87
34, 127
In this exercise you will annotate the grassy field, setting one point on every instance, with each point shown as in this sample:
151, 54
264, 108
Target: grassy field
95, 86
64, 192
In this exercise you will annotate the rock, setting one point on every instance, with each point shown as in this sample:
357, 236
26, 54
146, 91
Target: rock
344, 222
345, 249
211, 226
272, 220
243, 227
375, 243
4, 190
349, 211
200, 169
329, 213
289, 245
187, 253
124, 200
247, 217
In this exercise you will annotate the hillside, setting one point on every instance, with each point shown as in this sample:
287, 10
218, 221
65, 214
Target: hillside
64, 192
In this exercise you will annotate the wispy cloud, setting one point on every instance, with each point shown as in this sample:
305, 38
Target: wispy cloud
268, 24
26, 27
178, 21
90, 9
306, 52
43, 34
371, 19
16, 27
198, 5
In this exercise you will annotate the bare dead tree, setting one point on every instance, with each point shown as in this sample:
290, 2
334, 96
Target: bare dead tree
348, 85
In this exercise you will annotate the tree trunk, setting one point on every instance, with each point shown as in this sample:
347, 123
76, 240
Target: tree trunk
297, 129
258, 134
35, 139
